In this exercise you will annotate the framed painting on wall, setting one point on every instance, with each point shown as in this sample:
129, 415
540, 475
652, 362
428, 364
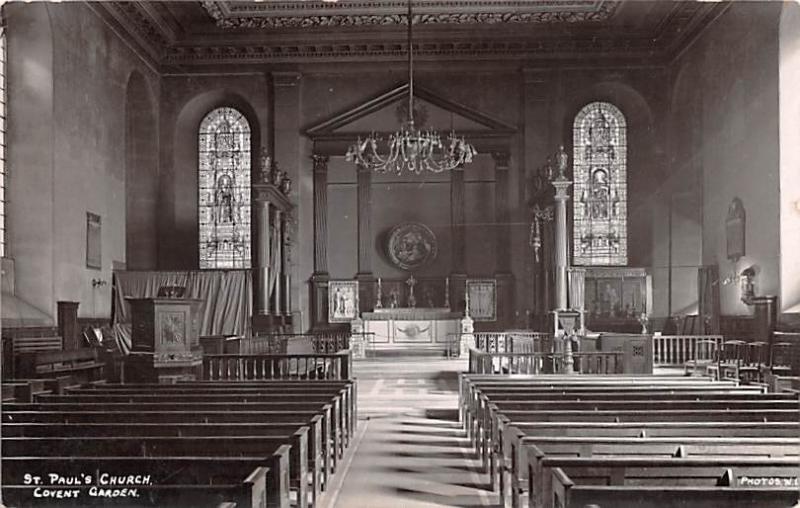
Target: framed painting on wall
342, 301
94, 257
482, 294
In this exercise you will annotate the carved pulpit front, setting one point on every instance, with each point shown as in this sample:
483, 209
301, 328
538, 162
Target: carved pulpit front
165, 340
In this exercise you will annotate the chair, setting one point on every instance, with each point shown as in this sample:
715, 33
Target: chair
755, 356
705, 354
781, 364
729, 359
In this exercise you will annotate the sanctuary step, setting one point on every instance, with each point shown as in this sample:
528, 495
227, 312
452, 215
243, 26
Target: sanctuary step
432, 352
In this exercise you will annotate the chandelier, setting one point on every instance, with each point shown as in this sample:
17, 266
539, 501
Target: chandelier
411, 149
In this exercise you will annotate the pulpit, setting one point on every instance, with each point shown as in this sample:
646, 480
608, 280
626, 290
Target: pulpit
165, 340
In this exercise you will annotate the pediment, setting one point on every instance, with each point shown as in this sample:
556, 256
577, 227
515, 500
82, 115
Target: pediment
385, 112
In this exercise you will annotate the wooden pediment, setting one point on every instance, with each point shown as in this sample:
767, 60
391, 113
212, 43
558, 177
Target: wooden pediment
385, 113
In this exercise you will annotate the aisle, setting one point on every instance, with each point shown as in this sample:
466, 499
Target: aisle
410, 451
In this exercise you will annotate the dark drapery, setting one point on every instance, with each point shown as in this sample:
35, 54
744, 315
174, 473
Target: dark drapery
708, 298
544, 279
227, 296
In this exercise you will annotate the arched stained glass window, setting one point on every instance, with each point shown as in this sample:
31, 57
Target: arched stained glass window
600, 227
224, 189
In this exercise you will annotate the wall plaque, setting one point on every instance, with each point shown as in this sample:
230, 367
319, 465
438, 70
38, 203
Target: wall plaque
411, 245
94, 257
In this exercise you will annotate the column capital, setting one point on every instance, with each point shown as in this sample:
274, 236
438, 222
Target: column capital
501, 159
562, 189
320, 163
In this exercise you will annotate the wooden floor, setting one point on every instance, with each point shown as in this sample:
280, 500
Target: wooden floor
410, 451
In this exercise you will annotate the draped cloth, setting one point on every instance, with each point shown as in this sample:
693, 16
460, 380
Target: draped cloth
708, 298
274, 260
227, 296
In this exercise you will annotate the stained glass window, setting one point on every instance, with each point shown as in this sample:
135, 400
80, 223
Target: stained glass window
3, 173
600, 227
224, 189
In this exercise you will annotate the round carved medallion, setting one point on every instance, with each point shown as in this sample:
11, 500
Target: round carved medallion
411, 245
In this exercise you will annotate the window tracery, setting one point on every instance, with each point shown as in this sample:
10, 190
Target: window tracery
600, 175
224, 190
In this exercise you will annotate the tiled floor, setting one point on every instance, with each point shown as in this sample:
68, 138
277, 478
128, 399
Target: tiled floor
410, 451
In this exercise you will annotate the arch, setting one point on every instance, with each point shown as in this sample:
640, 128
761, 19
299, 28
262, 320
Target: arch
180, 188
600, 153
141, 175
646, 151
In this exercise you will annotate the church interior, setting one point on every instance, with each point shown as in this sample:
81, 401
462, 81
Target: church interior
400, 253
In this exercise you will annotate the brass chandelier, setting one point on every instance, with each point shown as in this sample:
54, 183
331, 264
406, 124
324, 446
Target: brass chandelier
411, 149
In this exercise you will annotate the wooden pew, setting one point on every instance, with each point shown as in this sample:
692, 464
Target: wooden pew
481, 415
562, 393
174, 481
336, 420
329, 438
590, 446
236, 402
316, 456
673, 483
257, 392
269, 386
276, 452
490, 446
470, 400
83, 364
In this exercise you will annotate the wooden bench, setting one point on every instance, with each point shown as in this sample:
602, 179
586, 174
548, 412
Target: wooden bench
81, 364
347, 389
490, 448
316, 461
174, 481
37, 344
532, 450
497, 404
274, 450
234, 402
673, 483
339, 416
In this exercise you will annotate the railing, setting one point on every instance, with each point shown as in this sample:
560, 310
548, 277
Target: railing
594, 362
513, 341
289, 343
236, 367
678, 349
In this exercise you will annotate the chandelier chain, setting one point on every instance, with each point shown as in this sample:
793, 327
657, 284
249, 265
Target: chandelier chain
411, 149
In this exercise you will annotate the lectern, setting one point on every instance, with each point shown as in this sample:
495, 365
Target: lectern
165, 343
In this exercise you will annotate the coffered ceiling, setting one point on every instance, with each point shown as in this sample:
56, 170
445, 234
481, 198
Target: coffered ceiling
193, 34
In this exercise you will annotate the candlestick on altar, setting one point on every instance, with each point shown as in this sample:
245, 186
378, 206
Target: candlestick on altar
379, 296
412, 300
447, 292
466, 301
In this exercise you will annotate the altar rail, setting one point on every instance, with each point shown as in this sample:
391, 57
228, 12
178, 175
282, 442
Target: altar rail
512, 342
594, 362
232, 367
678, 349
278, 344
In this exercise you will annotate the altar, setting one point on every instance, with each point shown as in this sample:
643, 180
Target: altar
414, 329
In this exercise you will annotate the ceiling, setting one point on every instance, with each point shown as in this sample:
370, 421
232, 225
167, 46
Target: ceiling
192, 34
